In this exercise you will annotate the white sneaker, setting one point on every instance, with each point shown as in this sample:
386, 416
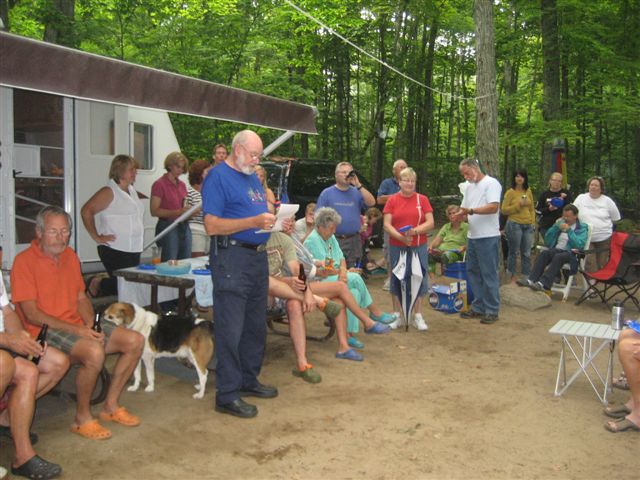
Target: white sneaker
419, 323
397, 321
387, 285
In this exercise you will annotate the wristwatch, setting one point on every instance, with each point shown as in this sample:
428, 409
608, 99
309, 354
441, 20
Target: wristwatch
470, 212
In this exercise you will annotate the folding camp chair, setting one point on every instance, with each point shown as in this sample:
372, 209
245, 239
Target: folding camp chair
571, 280
621, 274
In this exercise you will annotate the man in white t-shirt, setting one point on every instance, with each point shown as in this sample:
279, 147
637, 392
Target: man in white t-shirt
27, 382
481, 204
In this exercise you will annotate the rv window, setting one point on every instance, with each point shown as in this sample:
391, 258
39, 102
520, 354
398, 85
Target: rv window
37, 118
141, 144
102, 134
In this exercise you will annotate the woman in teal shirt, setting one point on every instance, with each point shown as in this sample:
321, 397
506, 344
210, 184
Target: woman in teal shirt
332, 266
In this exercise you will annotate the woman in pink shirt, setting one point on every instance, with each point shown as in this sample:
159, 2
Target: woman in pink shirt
168, 195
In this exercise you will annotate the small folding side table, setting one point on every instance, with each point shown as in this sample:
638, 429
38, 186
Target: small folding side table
585, 341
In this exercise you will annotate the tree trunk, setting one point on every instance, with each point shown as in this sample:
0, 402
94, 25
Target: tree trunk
550, 74
59, 21
486, 102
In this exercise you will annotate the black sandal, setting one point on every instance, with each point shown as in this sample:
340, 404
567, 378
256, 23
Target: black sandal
37, 468
6, 432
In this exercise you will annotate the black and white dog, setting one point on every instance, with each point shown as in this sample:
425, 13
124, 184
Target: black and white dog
166, 336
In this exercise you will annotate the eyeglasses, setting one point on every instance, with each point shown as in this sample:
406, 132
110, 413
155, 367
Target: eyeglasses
253, 155
407, 180
52, 232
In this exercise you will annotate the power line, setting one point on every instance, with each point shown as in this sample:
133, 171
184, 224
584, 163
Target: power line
376, 59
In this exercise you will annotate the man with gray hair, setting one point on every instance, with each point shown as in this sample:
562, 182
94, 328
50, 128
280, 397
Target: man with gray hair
235, 210
47, 288
349, 198
481, 205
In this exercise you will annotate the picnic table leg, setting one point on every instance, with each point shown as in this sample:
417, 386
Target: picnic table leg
154, 299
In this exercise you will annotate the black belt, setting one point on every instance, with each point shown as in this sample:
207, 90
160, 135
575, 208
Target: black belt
344, 237
260, 247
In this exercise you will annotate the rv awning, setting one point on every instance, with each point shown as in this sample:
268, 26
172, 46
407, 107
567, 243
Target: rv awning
45, 67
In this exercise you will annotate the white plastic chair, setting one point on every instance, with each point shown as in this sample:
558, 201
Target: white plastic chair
572, 280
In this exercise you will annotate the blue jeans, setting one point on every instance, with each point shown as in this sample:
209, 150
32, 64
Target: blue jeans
482, 274
177, 243
520, 238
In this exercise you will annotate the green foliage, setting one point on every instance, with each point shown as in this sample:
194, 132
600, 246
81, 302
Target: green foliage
268, 47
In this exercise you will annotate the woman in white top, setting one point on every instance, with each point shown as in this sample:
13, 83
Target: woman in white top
113, 218
599, 211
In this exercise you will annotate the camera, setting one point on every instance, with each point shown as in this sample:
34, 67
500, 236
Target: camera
351, 174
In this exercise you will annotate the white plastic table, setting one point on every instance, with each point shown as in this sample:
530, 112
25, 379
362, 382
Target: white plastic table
585, 341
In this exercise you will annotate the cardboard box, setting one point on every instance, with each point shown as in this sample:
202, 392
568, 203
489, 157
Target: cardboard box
449, 298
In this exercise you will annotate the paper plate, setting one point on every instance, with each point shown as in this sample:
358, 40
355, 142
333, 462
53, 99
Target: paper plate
179, 269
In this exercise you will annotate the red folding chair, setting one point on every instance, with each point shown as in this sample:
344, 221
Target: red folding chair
621, 274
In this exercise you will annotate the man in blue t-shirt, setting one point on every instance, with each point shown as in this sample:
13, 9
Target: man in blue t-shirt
234, 206
349, 198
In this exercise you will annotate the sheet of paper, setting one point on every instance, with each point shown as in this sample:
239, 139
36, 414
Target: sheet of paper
286, 210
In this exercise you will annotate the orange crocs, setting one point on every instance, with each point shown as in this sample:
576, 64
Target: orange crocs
91, 430
121, 416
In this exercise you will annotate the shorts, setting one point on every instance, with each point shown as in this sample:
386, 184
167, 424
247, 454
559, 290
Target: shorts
65, 341
199, 240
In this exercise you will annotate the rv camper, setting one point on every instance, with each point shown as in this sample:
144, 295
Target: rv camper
64, 114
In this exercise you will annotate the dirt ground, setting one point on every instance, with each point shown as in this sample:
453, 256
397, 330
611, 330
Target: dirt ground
461, 401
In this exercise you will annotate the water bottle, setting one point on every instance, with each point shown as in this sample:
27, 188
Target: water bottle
617, 316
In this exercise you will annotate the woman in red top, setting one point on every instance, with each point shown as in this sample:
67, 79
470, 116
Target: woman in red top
168, 195
410, 212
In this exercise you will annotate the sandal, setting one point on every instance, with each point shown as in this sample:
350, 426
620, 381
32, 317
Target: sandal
93, 287
308, 374
616, 412
330, 308
37, 468
91, 430
621, 383
6, 433
621, 425
121, 416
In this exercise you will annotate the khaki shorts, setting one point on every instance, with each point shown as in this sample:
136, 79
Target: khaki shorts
200, 241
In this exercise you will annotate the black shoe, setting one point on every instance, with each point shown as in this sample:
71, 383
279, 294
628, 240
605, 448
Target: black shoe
260, 391
489, 318
6, 433
238, 408
471, 314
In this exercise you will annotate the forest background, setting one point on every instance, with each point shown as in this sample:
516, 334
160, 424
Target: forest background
566, 71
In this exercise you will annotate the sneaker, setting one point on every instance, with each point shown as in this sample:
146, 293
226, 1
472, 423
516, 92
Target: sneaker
538, 287
397, 322
489, 318
387, 285
419, 322
350, 354
377, 328
355, 343
308, 374
524, 282
471, 314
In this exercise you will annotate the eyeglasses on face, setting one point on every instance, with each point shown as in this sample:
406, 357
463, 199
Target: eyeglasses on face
253, 155
52, 232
